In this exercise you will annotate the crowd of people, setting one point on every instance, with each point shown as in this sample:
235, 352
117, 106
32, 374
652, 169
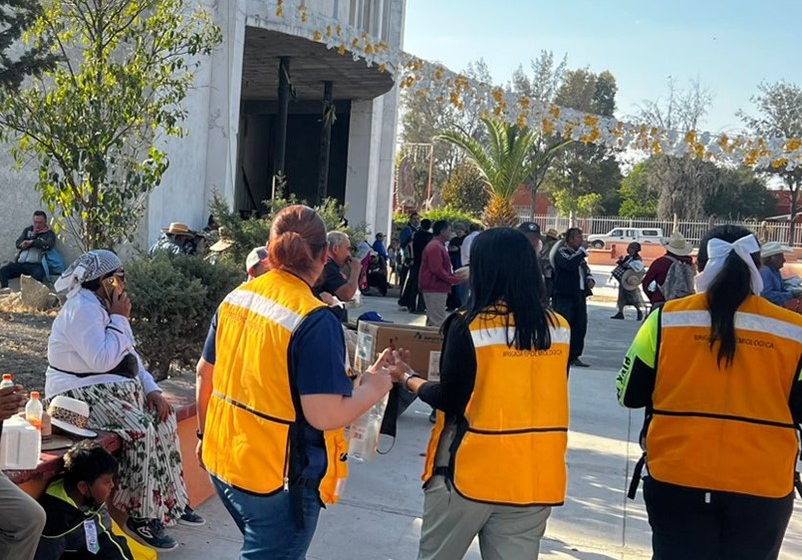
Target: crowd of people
715, 364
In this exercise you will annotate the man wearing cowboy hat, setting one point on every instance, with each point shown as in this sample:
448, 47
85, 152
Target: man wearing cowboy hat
772, 254
177, 239
677, 250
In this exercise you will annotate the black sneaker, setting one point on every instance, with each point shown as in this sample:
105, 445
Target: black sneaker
150, 532
191, 517
576, 362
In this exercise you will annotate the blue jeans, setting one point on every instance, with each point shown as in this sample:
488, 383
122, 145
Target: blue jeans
268, 523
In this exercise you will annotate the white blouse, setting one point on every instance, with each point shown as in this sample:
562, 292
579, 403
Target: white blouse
86, 339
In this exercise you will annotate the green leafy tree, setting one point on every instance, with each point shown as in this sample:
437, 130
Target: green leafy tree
17, 62
780, 115
504, 164
547, 79
639, 197
93, 122
583, 169
465, 191
740, 193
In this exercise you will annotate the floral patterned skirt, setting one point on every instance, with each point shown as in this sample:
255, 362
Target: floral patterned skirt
150, 482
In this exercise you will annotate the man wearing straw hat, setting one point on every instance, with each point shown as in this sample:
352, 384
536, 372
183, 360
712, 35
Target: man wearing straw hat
678, 252
772, 256
177, 239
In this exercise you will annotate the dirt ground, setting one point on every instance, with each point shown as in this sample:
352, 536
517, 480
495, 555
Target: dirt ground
23, 346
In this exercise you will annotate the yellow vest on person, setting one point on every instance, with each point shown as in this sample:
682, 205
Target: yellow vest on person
512, 449
725, 429
251, 414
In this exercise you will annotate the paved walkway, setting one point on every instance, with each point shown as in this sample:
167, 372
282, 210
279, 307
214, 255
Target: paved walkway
379, 518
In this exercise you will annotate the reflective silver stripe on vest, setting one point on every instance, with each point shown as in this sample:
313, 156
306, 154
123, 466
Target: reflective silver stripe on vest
743, 321
500, 335
264, 307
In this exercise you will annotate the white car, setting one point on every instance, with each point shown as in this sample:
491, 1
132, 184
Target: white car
644, 236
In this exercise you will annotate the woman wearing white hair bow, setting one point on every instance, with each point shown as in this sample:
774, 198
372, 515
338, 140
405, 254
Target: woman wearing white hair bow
92, 358
719, 376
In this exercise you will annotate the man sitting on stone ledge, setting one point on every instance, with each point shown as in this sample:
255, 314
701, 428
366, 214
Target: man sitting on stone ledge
37, 256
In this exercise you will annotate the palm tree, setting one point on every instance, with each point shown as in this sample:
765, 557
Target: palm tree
510, 158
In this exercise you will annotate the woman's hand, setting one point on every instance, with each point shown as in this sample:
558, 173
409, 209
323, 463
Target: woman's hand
157, 402
11, 400
199, 454
119, 304
400, 367
377, 376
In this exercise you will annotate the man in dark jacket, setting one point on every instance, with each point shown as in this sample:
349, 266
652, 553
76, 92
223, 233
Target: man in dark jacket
78, 523
572, 285
412, 299
405, 241
33, 245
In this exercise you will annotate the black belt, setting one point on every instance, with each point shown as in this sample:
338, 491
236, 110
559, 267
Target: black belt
636, 477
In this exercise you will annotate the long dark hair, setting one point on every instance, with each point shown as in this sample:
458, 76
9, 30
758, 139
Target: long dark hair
506, 280
727, 292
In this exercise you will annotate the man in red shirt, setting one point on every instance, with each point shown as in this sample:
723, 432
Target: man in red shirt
677, 249
436, 275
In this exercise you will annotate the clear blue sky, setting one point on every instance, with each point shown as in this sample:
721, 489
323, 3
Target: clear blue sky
730, 45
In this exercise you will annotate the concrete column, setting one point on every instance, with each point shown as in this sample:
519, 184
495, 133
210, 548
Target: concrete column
283, 110
325, 141
363, 150
222, 166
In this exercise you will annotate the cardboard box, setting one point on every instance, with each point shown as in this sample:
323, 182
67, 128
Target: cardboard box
423, 343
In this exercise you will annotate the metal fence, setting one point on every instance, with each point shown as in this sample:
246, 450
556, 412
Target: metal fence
692, 230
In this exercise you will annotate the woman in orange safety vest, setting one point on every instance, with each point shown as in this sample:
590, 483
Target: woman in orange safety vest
495, 465
719, 375
273, 395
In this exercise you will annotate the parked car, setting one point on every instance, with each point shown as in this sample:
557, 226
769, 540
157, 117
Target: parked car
644, 236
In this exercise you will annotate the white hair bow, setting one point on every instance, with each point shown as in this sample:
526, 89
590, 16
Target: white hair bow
717, 252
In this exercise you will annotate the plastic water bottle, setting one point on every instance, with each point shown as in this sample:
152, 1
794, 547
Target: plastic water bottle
7, 381
34, 410
364, 433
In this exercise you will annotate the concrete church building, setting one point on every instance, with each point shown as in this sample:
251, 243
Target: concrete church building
264, 76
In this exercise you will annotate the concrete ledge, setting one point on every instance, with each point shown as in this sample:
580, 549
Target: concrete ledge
35, 481
180, 392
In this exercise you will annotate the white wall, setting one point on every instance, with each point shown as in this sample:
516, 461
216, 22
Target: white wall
205, 160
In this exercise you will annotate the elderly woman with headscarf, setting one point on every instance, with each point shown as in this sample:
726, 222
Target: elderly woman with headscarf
92, 358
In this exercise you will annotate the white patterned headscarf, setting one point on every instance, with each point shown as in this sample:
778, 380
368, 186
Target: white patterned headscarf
87, 267
718, 250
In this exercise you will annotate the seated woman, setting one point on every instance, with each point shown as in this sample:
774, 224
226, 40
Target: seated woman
92, 358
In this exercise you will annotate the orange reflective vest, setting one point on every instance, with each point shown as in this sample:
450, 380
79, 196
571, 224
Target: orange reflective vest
730, 428
511, 447
252, 419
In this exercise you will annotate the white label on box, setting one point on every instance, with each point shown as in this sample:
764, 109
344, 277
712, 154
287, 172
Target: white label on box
364, 351
434, 366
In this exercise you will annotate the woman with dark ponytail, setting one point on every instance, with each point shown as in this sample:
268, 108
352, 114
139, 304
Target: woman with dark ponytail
719, 375
495, 464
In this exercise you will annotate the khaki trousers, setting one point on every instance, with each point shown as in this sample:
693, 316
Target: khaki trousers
21, 522
450, 523
435, 308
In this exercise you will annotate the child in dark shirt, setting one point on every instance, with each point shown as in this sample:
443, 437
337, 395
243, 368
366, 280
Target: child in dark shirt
78, 523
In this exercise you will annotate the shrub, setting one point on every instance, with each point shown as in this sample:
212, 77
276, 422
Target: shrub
173, 299
255, 231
